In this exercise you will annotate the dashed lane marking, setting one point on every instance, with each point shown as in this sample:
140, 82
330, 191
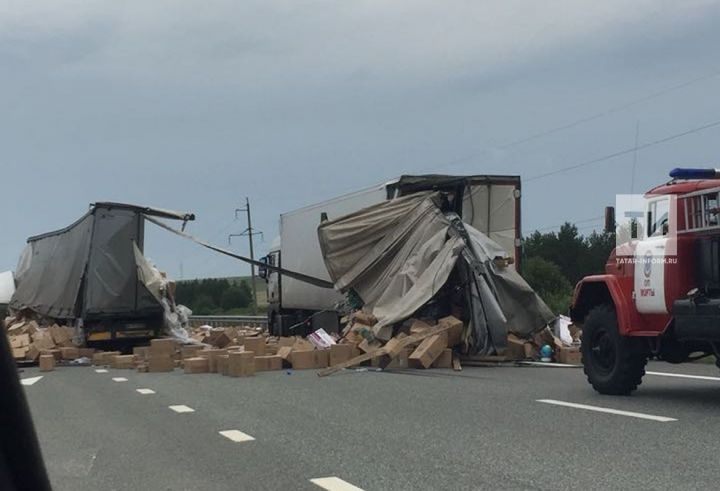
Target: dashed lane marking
236, 436
334, 484
101, 370
145, 391
608, 410
182, 409
30, 380
681, 375
119, 379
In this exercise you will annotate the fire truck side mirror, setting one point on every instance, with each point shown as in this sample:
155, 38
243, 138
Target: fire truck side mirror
609, 219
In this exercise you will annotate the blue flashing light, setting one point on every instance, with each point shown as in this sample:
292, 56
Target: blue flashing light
680, 173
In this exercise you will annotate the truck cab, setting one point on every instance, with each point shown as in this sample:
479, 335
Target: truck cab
660, 294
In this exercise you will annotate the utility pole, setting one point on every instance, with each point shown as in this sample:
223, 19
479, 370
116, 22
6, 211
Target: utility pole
249, 232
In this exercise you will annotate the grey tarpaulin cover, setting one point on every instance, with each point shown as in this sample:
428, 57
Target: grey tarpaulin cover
398, 254
90, 268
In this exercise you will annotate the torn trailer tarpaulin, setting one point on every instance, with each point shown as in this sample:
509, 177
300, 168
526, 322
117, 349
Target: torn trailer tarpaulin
89, 269
399, 254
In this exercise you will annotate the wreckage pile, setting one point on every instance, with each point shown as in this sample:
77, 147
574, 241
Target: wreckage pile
242, 351
29, 341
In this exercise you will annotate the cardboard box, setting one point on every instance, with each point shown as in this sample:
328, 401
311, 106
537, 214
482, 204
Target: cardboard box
141, 352
20, 353
339, 353
368, 347
271, 349
301, 344
199, 364
219, 340
33, 352
530, 351
47, 363
570, 356
222, 364
284, 352
454, 333
212, 356
61, 336
322, 358
54, 352
161, 363
444, 360
241, 364
190, 351
256, 345
69, 353
302, 359
20, 341
428, 351
162, 347
515, 348
43, 340
98, 359
402, 359
86, 352
362, 317
285, 341
123, 361
108, 356
418, 327
267, 363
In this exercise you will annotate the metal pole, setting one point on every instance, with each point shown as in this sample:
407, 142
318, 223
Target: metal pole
252, 257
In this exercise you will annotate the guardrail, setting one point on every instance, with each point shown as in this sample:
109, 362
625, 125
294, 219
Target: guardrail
229, 320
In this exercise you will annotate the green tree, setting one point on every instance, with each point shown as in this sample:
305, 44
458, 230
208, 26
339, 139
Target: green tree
549, 282
204, 305
237, 296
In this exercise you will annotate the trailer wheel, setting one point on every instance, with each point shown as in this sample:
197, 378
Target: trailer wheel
613, 364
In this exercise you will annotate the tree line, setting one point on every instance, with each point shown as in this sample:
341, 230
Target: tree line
214, 296
554, 262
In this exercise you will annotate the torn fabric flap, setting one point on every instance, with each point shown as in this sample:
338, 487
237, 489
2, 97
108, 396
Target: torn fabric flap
398, 254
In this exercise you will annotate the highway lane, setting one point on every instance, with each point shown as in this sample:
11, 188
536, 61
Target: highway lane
482, 428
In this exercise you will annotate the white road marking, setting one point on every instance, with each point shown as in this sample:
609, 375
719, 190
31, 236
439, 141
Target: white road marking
30, 380
145, 391
182, 409
119, 379
334, 484
236, 436
631, 414
680, 375
546, 364
101, 370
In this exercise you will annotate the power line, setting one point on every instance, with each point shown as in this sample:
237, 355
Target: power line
626, 151
612, 110
585, 119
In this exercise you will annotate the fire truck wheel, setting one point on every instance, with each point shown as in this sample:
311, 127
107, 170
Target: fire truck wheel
613, 364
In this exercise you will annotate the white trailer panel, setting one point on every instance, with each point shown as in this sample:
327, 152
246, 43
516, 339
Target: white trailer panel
301, 248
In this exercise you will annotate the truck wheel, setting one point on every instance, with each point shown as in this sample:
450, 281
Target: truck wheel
613, 364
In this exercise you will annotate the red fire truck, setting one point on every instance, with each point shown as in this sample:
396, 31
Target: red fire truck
660, 294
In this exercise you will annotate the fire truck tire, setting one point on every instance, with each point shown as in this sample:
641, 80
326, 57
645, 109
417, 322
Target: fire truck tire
613, 364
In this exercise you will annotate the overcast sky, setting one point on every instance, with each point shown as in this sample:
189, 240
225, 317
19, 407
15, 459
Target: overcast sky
194, 105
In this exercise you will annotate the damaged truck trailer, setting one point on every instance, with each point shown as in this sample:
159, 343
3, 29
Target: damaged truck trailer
93, 275
489, 203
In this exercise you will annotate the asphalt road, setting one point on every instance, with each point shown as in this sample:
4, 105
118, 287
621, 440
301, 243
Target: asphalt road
482, 428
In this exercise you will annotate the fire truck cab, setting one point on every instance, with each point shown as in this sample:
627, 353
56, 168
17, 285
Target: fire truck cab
660, 294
